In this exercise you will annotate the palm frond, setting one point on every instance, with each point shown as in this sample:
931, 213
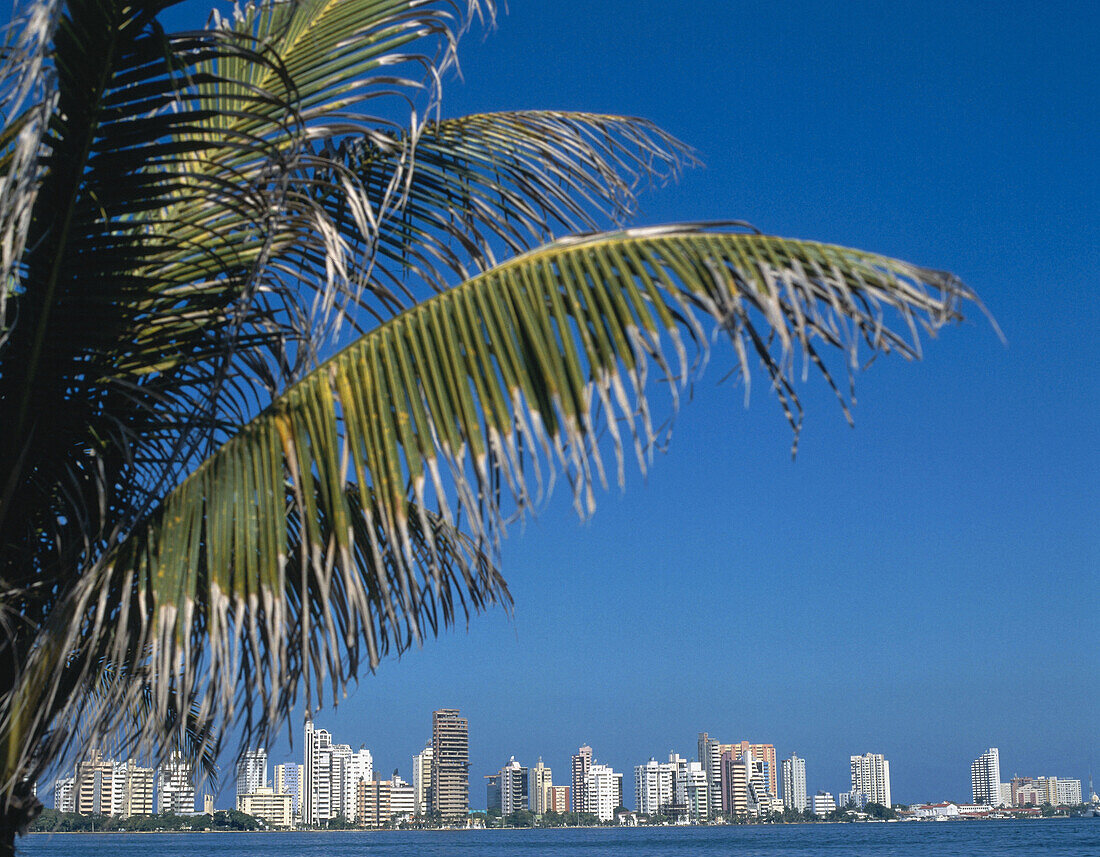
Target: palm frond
457, 404
488, 183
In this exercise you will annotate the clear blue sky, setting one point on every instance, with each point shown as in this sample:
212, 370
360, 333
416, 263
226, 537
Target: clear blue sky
924, 585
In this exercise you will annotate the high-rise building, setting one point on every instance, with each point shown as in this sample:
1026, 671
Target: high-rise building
317, 779
603, 789
252, 771
581, 763
286, 780
492, 793
871, 776
373, 799
513, 788
96, 785
422, 781
450, 765
353, 768
985, 778
710, 757
794, 783
654, 787
1067, 792
175, 786
744, 784
542, 781
339, 779
137, 789
697, 793
64, 794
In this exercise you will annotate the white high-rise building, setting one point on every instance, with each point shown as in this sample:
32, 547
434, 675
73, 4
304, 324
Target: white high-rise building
985, 778
601, 791
175, 786
422, 780
353, 768
317, 785
871, 776
654, 784
514, 794
794, 783
341, 754
64, 794
252, 772
697, 792
1068, 792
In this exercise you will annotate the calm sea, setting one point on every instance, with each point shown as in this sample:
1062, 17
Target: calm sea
1053, 838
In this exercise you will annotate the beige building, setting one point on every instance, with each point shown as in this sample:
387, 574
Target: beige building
559, 799
95, 786
373, 803
542, 783
137, 789
275, 809
422, 781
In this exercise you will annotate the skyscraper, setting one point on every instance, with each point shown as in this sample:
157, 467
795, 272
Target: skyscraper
513, 788
582, 761
542, 781
252, 771
794, 783
422, 781
175, 786
450, 765
654, 785
871, 776
603, 791
287, 781
317, 785
710, 757
95, 785
985, 778
353, 768
64, 794
137, 789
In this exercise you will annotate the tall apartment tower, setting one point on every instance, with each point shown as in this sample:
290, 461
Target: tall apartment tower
252, 772
985, 778
603, 791
794, 783
422, 781
64, 794
317, 779
450, 765
514, 794
137, 789
542, 783
710, 757
175, 786
96, 785
871, 776
582, 762
287, 780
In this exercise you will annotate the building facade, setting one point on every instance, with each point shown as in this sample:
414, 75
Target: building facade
64, 794
542, 781
450, 765
603, 789
654, 785
276, 809
176, 786
581, 764
823, 804
317, 785
252, 771
287, 780
871, 776
514, 794
985, 778
422, 781
794, 783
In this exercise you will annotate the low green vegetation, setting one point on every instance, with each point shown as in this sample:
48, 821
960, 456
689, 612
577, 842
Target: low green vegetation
52, 821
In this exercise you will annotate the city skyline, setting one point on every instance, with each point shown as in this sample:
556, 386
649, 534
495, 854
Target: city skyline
956, 521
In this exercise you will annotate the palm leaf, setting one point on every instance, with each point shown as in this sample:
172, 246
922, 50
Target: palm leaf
456, 404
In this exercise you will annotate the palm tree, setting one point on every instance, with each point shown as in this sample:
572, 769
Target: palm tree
267, 397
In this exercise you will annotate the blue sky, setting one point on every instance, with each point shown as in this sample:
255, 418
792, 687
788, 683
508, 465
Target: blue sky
924, 585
